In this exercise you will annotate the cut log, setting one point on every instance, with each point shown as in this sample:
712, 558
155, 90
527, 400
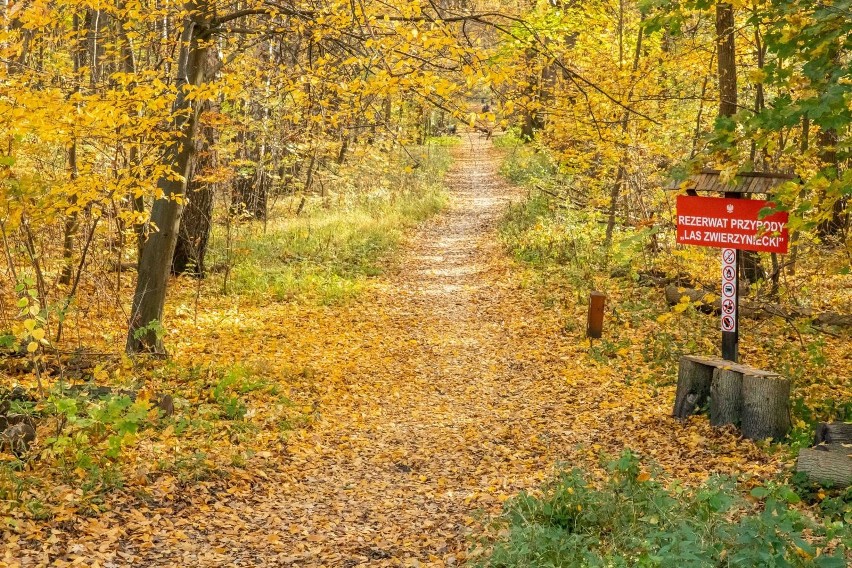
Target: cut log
693, 386
833, 319
755, 310
833, 432
826, 467
17, 438
675, 293
766, 406
726, 397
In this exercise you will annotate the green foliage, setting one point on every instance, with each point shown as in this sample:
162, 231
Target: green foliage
7, 340
525, 164
633, 520
542, 232
153, 326
326, 250
91, 436
224, 394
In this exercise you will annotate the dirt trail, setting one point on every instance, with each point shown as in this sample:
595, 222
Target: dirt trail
443, 418
439, 423
442, 390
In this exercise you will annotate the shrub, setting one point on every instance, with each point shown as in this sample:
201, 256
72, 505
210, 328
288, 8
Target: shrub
633, 520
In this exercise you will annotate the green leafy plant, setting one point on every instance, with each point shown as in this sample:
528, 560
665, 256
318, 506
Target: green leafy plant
631, 519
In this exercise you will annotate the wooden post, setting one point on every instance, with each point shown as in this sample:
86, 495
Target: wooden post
594, 324
766, 406
693, 386
726, 397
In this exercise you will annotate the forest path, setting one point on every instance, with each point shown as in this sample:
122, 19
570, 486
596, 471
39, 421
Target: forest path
439, 392
454, 399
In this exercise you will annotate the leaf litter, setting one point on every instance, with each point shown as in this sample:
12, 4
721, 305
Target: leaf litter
439, 392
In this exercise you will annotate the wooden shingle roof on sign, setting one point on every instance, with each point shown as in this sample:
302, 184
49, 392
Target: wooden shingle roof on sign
748, 182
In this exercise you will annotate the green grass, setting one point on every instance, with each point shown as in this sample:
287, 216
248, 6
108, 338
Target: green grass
326, 252
524, 163
630, 519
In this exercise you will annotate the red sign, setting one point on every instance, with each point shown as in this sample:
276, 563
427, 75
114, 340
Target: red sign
730, 223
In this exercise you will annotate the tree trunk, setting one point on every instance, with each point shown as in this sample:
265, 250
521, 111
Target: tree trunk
149, 299
836, 221
195, 226
71, 222
532, 118
766, 407
726, 397
693, 387
251, 186
726, 57
196, 222
615, 190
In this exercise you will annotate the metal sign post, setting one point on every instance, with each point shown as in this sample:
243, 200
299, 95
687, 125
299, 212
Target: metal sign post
730, 305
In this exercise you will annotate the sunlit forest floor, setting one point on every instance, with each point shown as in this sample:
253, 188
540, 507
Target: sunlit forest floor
381, 430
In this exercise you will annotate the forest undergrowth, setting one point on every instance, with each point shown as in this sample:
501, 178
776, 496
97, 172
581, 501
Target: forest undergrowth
112, 428
626, 513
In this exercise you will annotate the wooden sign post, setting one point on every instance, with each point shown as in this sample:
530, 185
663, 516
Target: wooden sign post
594, 322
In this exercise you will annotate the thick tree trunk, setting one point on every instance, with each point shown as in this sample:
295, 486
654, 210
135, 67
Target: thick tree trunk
197, 218
155, 260
766, 407
726, 56
194, 233
726, 397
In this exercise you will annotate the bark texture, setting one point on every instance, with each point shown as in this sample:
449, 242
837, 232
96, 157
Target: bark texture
828, 466
144, 332
726, 397
766, 407
693, 386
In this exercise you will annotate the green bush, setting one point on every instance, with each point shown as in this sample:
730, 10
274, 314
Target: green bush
633, 520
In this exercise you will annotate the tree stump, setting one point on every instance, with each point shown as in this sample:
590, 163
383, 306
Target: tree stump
766, 406
726, 397
693, 386
828, 465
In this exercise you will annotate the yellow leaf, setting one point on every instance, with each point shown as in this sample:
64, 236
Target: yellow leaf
32, 346
38, 334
